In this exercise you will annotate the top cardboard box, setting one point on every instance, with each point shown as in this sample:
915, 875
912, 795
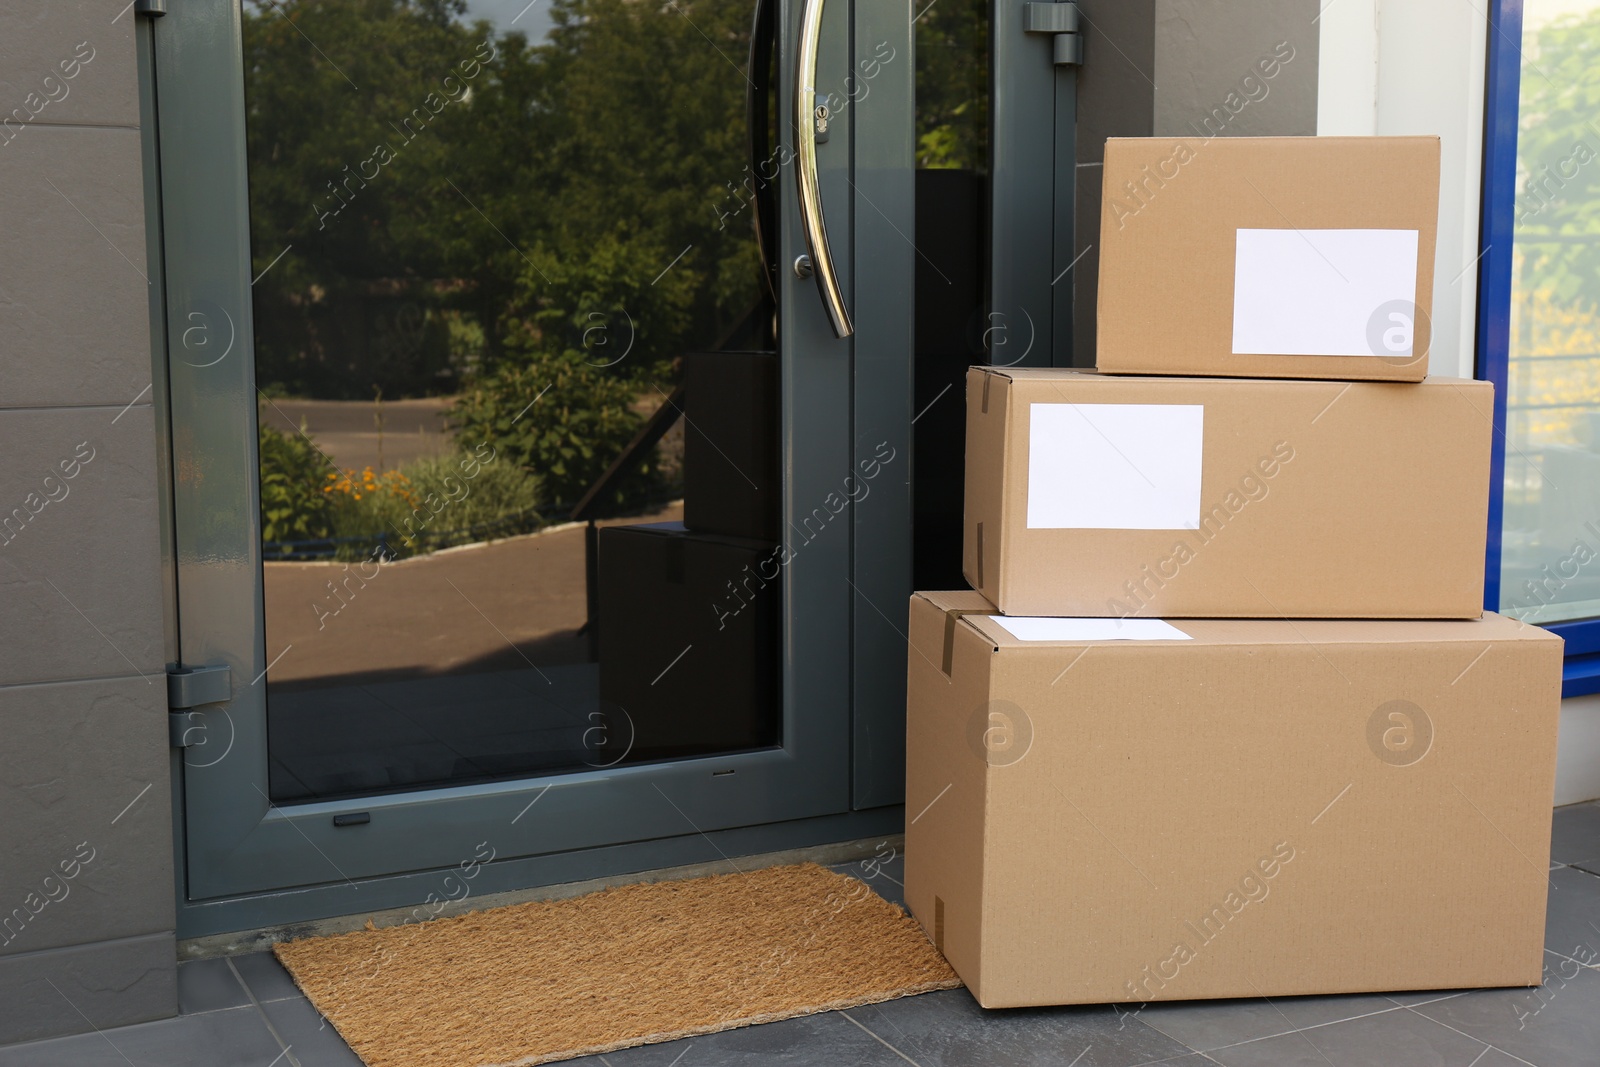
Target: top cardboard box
1268, 257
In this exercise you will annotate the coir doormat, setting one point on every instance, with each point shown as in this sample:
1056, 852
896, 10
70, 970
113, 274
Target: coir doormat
550, 980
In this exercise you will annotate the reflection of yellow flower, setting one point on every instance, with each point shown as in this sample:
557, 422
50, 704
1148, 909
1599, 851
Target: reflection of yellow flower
368, 482
1553, 380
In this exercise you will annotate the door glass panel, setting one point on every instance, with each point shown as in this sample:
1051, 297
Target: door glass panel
1550, 541
500, 249
952, 39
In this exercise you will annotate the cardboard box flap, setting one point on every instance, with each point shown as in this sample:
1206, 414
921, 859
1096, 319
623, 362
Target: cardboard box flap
1055, 374
957, 606
1000, 631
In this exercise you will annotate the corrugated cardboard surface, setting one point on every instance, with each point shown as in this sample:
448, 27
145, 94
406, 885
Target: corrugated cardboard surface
1238, 815
1375, 506
1167, 244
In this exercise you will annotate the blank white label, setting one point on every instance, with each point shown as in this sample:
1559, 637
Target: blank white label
1025, 628
1324, 292
1114, 466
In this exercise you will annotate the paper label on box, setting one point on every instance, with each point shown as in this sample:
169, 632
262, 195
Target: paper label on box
1324, 292
1114, 466
1024, 628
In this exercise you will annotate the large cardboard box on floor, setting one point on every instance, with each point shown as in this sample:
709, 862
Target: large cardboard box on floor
1264, 257
1265, 808
1091, 494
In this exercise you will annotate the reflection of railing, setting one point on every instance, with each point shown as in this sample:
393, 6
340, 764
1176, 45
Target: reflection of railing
394, 543
528, 520
649, 435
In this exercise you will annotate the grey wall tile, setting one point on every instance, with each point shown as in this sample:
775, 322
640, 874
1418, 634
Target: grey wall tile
1116, 85
74, 298
1085, 277
1206, 67
80, 573
76, 990
67, 61
1116, 94
86, 845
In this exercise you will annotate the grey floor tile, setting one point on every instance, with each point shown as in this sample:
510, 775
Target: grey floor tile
1411, 1000
1208, 1024
825, 1040
208, 985
1575, 834
1572, 917
884, 872
265, 976
1391, 1039
1554, 1025
949, 1029
312, 1039
233, 1037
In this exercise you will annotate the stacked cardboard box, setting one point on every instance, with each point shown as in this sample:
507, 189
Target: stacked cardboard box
1224, 716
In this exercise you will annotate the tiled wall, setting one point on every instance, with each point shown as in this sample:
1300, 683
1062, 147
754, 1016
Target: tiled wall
86, 897
1161, 68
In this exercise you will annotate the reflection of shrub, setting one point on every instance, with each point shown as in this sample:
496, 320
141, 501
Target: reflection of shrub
293, 506
561, 418
433, 503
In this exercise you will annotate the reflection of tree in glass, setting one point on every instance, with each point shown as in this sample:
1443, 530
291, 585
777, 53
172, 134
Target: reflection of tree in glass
1557, 260
953, 84
460, 205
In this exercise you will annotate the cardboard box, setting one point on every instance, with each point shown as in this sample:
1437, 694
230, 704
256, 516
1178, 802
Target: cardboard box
1267, 808
686, 667
1089, 494
730, 444
1262, 257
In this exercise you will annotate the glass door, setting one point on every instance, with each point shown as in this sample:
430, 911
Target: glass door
512, 476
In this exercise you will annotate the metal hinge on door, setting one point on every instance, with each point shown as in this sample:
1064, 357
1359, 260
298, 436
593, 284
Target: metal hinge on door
150, 8
190, 687
1060, 20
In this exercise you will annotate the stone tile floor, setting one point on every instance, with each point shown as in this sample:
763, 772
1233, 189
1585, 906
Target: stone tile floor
244, 1011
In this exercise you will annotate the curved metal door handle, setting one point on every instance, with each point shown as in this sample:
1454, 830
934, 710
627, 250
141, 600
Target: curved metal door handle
806, 121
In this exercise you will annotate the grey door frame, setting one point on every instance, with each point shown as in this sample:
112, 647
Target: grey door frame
845, 585
1033, 187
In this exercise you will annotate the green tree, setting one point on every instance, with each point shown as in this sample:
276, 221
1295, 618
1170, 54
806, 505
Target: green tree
1558, 156
952, 39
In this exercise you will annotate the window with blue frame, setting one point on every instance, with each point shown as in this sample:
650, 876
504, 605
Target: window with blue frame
1539, 320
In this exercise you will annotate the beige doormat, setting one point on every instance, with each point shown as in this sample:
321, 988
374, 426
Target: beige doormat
551, 980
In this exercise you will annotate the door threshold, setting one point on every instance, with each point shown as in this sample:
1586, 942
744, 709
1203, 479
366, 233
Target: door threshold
239, 942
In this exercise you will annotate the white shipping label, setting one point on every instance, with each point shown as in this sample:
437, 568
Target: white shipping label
1025, 628
1114, 466
1324, 292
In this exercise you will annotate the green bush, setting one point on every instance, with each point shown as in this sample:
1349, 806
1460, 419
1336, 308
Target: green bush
561, 418
433, 503
293, 472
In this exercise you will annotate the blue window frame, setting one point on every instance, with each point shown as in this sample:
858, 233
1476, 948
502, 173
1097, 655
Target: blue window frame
1497, 275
